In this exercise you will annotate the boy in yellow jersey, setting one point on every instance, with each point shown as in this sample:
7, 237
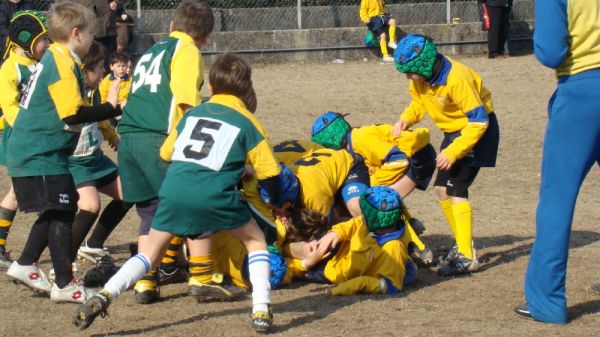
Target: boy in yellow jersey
453, 95
28, 40
361, 255
119, 64
45, 133
165, 84
403, 163
199, 196
373, 14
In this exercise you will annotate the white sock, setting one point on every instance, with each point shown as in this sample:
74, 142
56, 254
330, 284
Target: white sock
259, 268
131, 272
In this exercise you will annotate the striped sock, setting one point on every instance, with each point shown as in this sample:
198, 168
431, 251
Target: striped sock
6, 219
259, 269
170, 259
201, 268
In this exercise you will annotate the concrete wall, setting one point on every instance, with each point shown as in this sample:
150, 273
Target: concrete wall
326, 44
243, 19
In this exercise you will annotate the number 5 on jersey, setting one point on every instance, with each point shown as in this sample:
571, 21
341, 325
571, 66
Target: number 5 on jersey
205, 141
150, 76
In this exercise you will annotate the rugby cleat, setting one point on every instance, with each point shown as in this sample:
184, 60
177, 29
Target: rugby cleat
31, 276
262, 321
458, 264
86, 313
523, 311
91, 254
144, 293
98, 276
212, 291
74, 292
168, 274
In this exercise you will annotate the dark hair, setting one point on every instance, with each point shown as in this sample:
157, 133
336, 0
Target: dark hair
306, 225
194, 18
231, 75
93, 56
119, 57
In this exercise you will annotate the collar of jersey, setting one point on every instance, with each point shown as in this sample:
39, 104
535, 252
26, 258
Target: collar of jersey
61, 48
442, 76
229, 101
23, 60
182, 36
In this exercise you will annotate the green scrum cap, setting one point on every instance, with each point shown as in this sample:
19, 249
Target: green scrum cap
381, 207
415, 54
329, 130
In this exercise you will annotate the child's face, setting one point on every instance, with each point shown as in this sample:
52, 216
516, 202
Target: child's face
82, 40
40, 47
94, 76
129, 67
119, 69
415, 77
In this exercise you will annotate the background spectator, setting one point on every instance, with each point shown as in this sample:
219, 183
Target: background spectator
499, 14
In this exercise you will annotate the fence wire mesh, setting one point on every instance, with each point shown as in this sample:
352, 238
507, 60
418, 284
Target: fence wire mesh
243, 15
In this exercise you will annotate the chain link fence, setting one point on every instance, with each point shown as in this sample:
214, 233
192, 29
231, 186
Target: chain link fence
249, 15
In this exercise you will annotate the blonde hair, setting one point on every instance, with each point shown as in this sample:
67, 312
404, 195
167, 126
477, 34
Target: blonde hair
194, 18
64, 16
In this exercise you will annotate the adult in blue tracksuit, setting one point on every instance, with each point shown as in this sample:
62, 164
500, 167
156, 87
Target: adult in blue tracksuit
572, 47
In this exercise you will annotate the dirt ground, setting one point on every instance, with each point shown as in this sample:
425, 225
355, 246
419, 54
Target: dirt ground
504, 200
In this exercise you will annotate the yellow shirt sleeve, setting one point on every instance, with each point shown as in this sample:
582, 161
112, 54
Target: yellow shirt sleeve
470, 102
364, 11
185, 80
415, 112
9, 99
166, 150
65, 93
263, 161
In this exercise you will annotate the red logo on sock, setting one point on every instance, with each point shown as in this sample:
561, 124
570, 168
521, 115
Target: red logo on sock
76, 295
34, 276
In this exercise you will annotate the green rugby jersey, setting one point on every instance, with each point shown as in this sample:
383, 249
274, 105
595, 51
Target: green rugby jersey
213, 143
166, 81
41, 142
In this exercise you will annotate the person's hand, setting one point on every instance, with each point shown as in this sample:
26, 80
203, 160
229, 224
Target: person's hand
330, 240
399, 127
368, 21
114, 144
313, 256
442, 162
113, 5
123, 103
113, 93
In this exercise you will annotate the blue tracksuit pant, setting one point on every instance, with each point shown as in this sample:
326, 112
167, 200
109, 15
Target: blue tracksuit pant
571, 147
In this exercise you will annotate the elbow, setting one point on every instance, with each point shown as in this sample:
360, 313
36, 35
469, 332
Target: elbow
550, 57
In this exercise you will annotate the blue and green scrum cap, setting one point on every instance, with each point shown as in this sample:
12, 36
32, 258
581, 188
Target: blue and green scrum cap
370, 40
329, 130
415, 54
381, 207
25, 29
289, 188
277, 264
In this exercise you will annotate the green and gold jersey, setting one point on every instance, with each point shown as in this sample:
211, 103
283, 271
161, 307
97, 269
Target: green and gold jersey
14, 77
209, 151
41, 142
166, 81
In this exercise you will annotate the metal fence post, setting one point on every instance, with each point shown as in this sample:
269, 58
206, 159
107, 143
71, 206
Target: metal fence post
448, 14
138, 17
299, 9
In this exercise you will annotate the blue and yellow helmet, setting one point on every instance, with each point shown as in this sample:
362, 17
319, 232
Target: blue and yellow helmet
289, 188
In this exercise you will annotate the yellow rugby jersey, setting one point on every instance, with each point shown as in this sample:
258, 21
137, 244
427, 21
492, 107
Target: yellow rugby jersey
458, 102
371, 8
124, 88
374, 143
228, 254
14, 76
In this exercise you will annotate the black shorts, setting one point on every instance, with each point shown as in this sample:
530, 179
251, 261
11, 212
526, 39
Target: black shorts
422, 166
379, 24
43, 193
101, 182
457, 180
